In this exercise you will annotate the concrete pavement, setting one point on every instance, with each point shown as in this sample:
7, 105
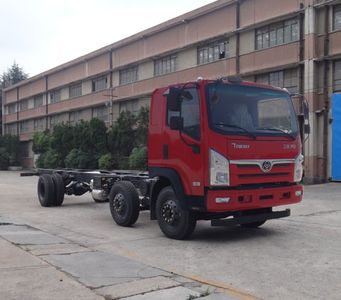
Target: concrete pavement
292, 258
38, 265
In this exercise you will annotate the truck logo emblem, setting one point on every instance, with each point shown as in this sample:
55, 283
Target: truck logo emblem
266, 166
240, 146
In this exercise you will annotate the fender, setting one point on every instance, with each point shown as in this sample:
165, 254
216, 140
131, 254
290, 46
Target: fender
171, 177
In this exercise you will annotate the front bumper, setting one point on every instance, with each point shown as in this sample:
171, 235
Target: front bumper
237, 200
247, 219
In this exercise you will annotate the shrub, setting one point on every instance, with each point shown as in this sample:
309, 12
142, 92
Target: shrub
40, 161
79, 159
71, 160
142, 127
10, 144
121, 138
51, 159
105, 161
138, 158
4, 159
98, 136
48, 160
62, 140
41, 142
87, 161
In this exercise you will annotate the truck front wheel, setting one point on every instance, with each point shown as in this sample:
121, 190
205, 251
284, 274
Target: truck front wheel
124, 203
174, 221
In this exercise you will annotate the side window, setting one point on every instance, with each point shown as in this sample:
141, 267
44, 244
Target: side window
190, 112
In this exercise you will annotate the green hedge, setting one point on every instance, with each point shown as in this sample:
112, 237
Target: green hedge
9, 151
91, 145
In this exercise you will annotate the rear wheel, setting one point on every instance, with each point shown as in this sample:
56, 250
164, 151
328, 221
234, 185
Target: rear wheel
59, 189
253, 225
46, 190
124, 203
174, 221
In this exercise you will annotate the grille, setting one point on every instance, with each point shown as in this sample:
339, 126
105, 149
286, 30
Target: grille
250, 171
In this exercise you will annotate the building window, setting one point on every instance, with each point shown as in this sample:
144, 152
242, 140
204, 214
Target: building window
53, 121
24, 126
337, 76
75, 90
165, 65
276, 78
212, 52
11, 129
130, 105
291, 80
337, 18
58, 119
101, 113
23, 105
39, 124
77, 116
99, 83
128, 75
285, 79
11, 109
277, 34
55, 96
38, 100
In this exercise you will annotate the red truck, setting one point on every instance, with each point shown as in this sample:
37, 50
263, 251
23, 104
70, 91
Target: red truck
222, 150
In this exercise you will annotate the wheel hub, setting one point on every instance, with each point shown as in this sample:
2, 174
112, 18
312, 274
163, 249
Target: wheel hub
118, 203
169, 212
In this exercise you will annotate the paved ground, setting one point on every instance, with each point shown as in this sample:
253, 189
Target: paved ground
76, 251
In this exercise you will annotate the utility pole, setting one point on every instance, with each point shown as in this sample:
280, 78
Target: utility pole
109, 105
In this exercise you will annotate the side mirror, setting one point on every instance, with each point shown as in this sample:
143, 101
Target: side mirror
173, 99
176, 123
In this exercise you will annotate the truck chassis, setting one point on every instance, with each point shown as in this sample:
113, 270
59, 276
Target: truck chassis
130, 192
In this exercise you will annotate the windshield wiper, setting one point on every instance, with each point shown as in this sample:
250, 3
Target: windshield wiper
237, 127
277, 129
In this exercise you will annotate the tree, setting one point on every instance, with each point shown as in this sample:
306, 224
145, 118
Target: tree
13, 75
122, 138
142, 127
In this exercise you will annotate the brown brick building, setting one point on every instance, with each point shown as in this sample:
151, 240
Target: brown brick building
293, 43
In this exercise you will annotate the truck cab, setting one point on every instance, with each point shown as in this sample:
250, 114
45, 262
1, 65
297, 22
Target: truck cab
222, 149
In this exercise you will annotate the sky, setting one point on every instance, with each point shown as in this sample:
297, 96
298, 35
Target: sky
42, 34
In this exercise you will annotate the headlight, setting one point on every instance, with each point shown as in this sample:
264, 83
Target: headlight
219, 169
298, 172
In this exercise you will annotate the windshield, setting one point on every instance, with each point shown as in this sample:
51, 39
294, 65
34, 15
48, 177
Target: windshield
249, 110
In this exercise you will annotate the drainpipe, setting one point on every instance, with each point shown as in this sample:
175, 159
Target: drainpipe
301, 73
18, 108
46, 103
325, 95
237, 37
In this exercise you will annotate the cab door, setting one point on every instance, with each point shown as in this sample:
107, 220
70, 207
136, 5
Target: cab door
184, 147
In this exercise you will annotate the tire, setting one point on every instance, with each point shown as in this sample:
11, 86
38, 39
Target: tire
253, 225
174, 222
124, 203
46, 190
59, 189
